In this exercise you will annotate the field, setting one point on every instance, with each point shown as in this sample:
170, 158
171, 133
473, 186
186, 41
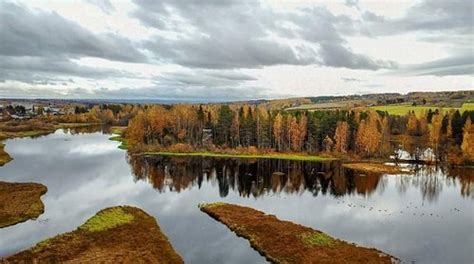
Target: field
329, 105
403, 109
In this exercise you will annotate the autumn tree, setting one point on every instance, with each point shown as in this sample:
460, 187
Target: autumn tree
278, 124
369, 137
467, 145
435, 131
136, 130
341, 137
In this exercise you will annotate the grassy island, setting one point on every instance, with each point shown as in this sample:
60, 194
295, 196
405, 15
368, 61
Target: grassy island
375, 168
20, 202
285, 242
120, 234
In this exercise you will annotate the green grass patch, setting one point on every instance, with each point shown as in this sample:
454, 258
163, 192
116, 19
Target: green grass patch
241, 156
403, 109
118, 138
118, 130
107, 219
317, 239
467, 107
75, 125
210, 205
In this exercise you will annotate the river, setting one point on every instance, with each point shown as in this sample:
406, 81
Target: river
424, 218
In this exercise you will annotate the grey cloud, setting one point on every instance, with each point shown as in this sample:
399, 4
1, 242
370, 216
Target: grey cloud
36, 33
345, 79
202, 94
198, 79
37, 69
226, 53
352, 3
433, 16
339, 56
232, 75
454, 65
105, 5
239, 34
449, 23
163, 92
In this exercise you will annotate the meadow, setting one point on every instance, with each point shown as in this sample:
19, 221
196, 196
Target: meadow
403, 109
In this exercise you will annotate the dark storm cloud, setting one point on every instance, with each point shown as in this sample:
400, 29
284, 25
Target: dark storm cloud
26, 32
243, 34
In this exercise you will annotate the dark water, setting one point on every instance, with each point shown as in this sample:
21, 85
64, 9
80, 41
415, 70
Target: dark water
426, 218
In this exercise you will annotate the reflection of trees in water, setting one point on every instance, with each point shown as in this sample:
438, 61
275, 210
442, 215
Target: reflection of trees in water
430, 180
427, 179
270, 176
465, 177
251, 177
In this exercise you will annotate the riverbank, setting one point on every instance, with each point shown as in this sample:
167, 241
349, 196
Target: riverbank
20, 202
285, 242
29, 131
119, 234
373, 167
282, 156
4, 156
119, 131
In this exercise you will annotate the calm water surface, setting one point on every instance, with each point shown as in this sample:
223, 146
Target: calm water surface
425, 218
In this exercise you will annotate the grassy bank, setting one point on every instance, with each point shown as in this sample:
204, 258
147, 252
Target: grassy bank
119, 131
375, 168
120, 234
285, 242
123, 141
242, 156
20, 202
35, 131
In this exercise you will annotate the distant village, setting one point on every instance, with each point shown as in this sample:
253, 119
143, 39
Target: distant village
27, 109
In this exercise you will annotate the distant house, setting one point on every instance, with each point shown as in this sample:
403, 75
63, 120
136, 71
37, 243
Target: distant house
17, 117
207, 137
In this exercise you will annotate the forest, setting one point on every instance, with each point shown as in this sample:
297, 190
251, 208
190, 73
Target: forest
362, 133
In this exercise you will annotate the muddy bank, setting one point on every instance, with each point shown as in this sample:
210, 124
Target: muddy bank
285, 242
375, 168
20, 202
120, 234
4, 157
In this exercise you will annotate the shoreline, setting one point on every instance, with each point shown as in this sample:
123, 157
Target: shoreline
281, 156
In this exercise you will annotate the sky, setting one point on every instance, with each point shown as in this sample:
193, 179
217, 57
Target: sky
223, 50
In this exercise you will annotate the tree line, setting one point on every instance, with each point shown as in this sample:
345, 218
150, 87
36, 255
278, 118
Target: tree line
361, 132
